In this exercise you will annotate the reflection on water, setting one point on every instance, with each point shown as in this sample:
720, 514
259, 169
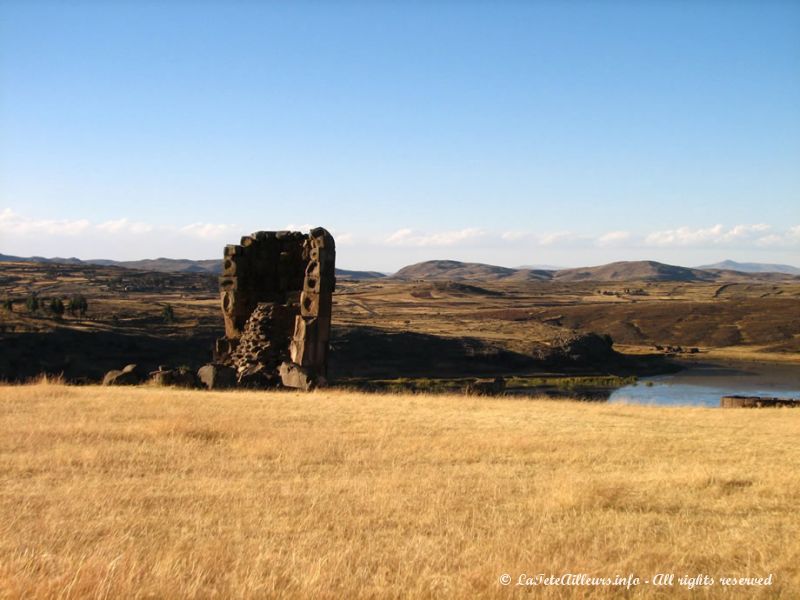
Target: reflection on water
703, 384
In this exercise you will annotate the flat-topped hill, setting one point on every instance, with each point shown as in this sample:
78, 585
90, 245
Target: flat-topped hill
453, 269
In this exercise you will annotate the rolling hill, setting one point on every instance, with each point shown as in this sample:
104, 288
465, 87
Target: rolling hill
453, 269
640, 270
643, 270
732, 265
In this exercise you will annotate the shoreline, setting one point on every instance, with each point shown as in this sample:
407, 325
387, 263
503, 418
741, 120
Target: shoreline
735, 354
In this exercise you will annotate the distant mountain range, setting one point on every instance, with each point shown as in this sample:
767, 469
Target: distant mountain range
643, 270
732, 265
163, 265
168, 265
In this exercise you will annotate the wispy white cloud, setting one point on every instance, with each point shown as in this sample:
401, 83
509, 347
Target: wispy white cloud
143, 237
209, 231
16, 224
124, 226
558, 237
614, 237
399, 236
790, 237
743, 235
408, 237
344, 239
514, 236
740, 231
718, 234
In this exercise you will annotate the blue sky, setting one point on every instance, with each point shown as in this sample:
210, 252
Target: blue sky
565, 133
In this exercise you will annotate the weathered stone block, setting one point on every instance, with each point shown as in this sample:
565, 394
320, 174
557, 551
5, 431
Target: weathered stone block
180, 377
295, 376
304, 348
128, 375
217, 377
257, 377
270, 282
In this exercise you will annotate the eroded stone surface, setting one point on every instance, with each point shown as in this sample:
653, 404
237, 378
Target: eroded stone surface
276, 293
295, 376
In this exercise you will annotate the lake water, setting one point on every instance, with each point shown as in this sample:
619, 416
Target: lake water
703, 384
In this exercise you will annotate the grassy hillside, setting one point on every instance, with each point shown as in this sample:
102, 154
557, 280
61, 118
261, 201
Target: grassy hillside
759, 318
173, 494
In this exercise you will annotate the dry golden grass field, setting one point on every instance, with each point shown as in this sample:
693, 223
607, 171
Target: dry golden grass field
160, 493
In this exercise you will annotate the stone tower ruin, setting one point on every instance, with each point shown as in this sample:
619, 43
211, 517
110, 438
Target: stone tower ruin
276, 290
